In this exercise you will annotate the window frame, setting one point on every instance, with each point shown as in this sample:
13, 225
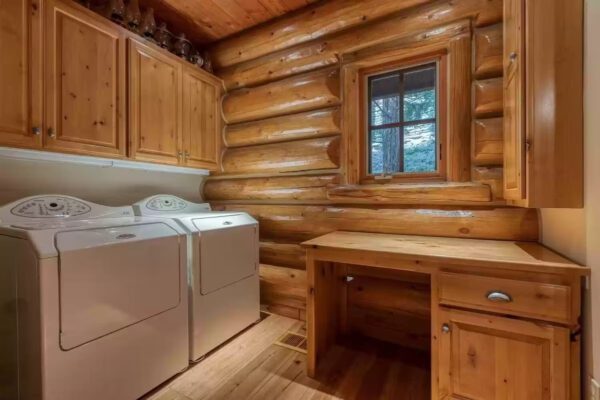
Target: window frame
440, 59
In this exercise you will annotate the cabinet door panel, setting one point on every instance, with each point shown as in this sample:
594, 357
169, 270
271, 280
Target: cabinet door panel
20, 73
514, 97
86, 83
484, 357
201, 134
154, 105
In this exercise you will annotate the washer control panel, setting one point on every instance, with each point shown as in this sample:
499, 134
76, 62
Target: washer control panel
50, 207
166, 203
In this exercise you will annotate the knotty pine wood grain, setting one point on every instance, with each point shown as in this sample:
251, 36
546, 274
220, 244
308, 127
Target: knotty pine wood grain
290, 255
492, 176
292, 223
252, 367
301, 155
327, 51
306, 92
488, 141
300, 188
205, 21
487, 98
420, 193
487, 52
317, 21
281, 129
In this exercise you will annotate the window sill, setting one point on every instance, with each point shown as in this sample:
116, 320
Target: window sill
463, 193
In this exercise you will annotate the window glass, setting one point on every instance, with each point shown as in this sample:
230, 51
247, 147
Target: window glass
403, 121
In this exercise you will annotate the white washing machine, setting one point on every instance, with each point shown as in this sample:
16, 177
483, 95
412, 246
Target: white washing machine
93, 301
223, 269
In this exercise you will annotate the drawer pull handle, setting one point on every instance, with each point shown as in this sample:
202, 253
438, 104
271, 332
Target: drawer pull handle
446, 328
499, 297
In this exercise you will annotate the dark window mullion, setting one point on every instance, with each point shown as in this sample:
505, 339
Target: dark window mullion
401, 128
405, 123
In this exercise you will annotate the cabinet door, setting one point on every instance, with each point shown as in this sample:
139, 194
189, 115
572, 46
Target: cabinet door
20, 73
154, 105
514, 99
484, 357
201, 120
85, 81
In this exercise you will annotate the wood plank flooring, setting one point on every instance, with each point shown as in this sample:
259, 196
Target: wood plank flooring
252, 367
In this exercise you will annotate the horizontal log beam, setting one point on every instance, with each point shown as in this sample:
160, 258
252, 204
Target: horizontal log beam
327, 51
279, 188
488, 143
487, 51
314, 22
299, 223
281, 129
290, 255
492, 176
487, 98
282, 286
306, 92
301, 155
433, 193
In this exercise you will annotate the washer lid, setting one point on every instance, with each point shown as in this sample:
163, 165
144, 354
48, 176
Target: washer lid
114, 277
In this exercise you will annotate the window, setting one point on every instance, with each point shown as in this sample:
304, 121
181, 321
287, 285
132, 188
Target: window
402, 122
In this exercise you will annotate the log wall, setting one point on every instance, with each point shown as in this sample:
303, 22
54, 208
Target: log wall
285, 157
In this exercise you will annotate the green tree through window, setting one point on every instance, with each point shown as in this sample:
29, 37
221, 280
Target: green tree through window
403, 121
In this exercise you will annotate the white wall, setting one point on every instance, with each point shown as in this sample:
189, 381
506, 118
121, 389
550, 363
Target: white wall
576, 233
104, 185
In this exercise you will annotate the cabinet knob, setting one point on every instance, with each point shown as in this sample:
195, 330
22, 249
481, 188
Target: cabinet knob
446, 328
36, 131
51, 133
513, 56
499, 297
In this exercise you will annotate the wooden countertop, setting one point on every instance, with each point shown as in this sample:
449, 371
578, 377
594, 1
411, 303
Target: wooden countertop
456, 251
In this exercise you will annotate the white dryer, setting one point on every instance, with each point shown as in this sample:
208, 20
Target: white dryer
222, 269
94, 300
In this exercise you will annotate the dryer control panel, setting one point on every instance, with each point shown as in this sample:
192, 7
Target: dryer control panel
164, 204
54, 208
50, 207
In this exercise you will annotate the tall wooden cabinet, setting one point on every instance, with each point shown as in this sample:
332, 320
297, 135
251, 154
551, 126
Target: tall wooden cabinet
72, 81
154, 105
201, 119
85, 83
543, 103
20, 73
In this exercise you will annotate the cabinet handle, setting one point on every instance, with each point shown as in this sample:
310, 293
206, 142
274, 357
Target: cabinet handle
499, 297
446, 328
513, 57
180, 154
186, 155
36, 131
51, 133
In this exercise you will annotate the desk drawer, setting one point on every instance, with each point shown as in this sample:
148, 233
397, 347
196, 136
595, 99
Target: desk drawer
528, 299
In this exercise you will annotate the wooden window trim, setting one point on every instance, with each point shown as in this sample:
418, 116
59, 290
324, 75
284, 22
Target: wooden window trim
440, 58
454, 103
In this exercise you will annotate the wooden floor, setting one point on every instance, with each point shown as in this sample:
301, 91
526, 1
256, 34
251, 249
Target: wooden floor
252, 367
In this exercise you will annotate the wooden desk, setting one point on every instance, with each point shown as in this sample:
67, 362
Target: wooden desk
514, 305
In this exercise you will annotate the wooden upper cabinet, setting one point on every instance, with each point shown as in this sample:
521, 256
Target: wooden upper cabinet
514, 97
484, 357
85, 83
201, 119
543, 103
155, 94
20, 73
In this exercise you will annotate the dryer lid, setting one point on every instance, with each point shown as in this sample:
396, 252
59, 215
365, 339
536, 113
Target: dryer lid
111, 278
